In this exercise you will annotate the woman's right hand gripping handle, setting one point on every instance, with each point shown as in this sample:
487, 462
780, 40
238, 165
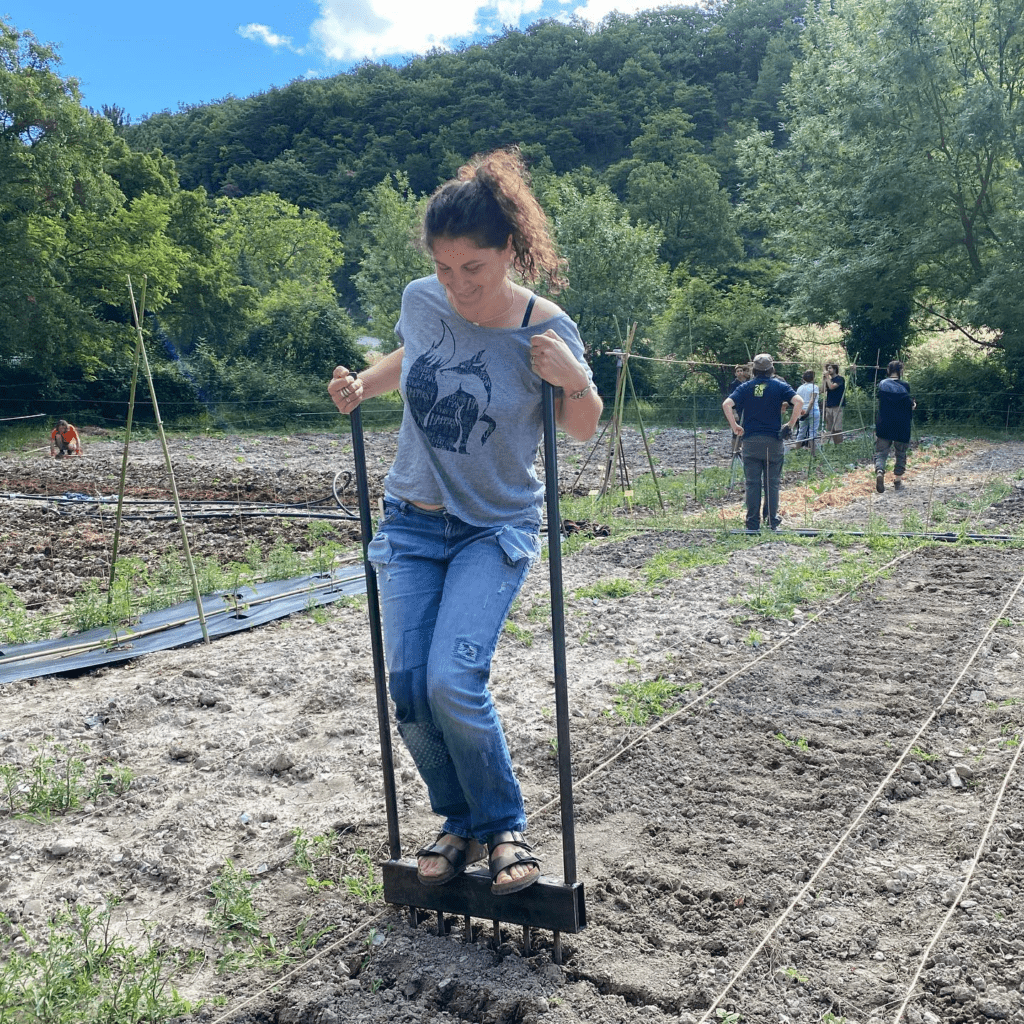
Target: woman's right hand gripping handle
346, 389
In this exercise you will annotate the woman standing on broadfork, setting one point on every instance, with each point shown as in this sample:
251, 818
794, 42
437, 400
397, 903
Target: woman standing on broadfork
462, 504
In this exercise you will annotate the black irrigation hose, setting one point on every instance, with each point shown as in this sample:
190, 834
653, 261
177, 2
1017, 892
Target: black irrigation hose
334, 491
995, 538
253, 514
227, 510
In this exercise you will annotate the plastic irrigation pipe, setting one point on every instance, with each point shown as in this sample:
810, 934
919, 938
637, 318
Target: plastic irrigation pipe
232, 602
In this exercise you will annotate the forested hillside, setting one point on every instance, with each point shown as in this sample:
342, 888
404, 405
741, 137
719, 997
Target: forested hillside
571, 95
712, 173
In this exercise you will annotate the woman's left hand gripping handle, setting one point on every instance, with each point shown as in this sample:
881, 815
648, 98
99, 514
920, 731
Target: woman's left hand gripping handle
346, 389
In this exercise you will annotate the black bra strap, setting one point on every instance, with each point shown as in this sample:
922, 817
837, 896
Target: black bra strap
529, 310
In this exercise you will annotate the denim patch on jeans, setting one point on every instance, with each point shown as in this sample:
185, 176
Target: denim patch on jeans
446, 588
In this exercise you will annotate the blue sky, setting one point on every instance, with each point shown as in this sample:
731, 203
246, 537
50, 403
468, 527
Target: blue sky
147, 57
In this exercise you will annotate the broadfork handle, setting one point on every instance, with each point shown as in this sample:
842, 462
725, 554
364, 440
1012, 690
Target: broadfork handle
376, 642
558, 637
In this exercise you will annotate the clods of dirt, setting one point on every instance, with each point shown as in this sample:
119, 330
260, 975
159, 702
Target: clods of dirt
793, 802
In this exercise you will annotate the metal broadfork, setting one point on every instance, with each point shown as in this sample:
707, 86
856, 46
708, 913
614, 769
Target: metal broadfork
549, 904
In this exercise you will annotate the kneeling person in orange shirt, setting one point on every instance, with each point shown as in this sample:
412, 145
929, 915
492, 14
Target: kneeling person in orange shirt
64, 440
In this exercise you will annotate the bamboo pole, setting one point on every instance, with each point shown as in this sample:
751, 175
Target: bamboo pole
694, 411
643, 432
167, 462
931, 492
124, 455
615, 438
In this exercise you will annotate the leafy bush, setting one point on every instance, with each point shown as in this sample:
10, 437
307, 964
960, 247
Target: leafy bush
252, 394
962, 388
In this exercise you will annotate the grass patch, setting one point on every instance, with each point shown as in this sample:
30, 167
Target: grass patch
234, 915
139, 588
612, 588
364, 884
638, 702
238, 926
800, 743
317, 857
58, 780
809, 580
667, 565
82, 971
520, 634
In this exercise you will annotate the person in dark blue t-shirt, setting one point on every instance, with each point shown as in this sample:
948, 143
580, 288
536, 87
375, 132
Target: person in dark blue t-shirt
834, 387
760, 400
892, 427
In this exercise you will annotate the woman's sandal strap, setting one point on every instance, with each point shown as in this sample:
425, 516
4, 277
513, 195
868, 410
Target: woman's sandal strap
521, 854
458, 859
451, 853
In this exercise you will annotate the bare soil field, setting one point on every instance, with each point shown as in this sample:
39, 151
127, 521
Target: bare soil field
798, 791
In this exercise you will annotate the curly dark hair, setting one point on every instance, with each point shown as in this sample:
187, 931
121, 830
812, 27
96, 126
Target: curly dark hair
490, 202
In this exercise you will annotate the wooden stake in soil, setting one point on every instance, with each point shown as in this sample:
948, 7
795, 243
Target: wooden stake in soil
615, 450
124, 456
141, 351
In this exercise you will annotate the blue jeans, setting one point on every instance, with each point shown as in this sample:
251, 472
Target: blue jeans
762, 463
446, 589
808, 429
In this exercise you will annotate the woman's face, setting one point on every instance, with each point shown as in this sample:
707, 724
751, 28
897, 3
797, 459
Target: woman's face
474, 278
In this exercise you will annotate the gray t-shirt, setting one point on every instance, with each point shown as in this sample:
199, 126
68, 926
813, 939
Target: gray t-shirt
473, 417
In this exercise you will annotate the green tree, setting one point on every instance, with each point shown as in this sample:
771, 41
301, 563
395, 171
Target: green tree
902, 180
140, 173
720, 326
390, 256
306, 332
669, 184
693, 213
212, 306
52, 189
272, 241
615, 274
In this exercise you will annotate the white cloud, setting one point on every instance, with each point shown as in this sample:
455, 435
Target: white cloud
353, 29
264, 34
349, 30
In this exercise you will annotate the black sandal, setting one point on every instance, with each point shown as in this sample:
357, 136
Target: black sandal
458, 859
522, 854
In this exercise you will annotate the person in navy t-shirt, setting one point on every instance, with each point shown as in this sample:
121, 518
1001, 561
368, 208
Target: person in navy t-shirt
760, 401
892, 427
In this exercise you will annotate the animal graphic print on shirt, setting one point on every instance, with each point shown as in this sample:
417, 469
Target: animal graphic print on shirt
448, 399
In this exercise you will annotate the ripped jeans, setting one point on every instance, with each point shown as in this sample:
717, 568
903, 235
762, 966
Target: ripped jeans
446, 589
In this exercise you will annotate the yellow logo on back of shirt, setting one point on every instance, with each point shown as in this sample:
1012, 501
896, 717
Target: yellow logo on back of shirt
759, 390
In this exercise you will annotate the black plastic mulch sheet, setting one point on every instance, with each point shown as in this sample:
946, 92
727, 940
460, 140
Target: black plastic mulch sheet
225, 612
